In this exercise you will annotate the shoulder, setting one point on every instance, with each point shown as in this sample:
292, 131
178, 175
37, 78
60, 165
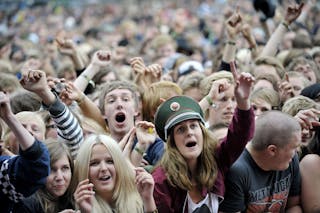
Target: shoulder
311, 163
159, 175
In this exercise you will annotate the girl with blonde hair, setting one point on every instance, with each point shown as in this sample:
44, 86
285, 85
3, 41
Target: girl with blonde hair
107, 182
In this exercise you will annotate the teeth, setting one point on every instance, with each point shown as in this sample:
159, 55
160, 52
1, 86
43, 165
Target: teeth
105, 178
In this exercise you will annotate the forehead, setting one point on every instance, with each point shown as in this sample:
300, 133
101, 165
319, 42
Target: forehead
119, 92
99, 150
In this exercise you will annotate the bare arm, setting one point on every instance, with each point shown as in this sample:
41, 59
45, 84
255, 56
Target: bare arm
292, 13
310, 180
101, 58
24, 138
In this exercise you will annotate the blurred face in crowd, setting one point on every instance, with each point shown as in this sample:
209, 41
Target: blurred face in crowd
102, 172
33, 123
224, 108
260, 106
266, 69
188, 138
166, 50
307, 71
262, 83
60, 176
120, 110
297, 84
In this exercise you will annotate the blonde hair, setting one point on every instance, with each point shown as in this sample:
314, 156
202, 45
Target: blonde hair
126, 197
266, 94
206, 83
293, 105
151, 97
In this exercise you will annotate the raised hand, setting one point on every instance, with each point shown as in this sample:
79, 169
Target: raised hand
101, 58
83, 196
145, 186
308, 118
34, 81
5, 109
285, 89
137, 65
293, 12
243, 86
234, 24
145, 133
66, 46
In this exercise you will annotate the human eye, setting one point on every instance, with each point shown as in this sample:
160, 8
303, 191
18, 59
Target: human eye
65, 168
110, 100
126, 98
193, 125
180, 129
94, 163
109, 161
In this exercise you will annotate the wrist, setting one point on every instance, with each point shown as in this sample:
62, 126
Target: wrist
140, 149
210, 101
286, 24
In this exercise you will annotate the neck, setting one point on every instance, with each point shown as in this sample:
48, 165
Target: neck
116, 136
259, 157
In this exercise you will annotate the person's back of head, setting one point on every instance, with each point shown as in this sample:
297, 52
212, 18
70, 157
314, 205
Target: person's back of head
23, 100
302, 41
9, 83
270, 61
274, 128
293, 105
151, 98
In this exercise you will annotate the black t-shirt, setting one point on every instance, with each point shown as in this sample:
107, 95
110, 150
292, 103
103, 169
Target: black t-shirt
251, 189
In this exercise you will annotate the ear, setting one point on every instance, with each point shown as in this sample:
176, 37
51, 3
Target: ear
272, 150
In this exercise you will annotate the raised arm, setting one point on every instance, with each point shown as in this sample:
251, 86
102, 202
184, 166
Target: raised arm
68, 127
292, 13
24, 138
101, 58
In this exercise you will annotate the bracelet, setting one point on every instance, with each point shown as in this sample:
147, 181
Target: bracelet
231, 43
140, 151
81, 100
286, 25
210, 102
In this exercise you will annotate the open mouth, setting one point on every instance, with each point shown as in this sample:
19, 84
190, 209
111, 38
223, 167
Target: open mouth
105, 178
120, 117
191, 144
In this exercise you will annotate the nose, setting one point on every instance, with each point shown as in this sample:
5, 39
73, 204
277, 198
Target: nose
257, 112
231, 103
58, 175
103, 166
119, 103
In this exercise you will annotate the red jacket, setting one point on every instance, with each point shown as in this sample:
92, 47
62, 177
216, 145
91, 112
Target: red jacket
241, 130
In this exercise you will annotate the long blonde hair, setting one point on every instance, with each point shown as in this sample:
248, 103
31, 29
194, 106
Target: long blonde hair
126, 197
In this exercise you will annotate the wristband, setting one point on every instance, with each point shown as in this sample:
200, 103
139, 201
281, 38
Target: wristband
81, 99
140, 151
286, 25
210, 102
231, 43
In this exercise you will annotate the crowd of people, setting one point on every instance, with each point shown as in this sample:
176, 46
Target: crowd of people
156, 106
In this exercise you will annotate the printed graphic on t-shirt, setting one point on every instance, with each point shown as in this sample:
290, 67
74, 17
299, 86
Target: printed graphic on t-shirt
271, 198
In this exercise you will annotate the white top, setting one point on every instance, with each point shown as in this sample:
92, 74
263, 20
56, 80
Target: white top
211, 200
